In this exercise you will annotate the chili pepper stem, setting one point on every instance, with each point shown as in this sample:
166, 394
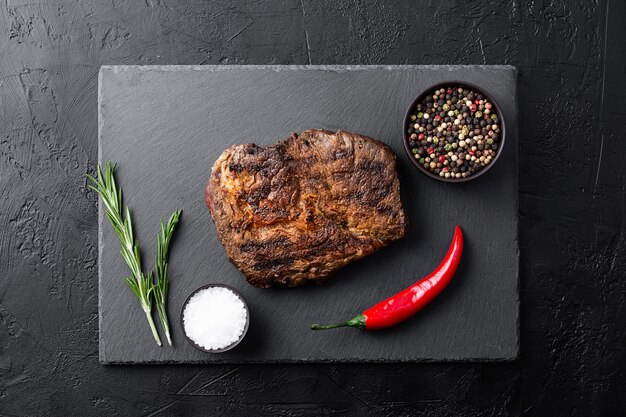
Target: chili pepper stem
329, 326
358, 322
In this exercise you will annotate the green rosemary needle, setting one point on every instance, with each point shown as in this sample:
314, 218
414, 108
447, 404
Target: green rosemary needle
121, 221
160, 271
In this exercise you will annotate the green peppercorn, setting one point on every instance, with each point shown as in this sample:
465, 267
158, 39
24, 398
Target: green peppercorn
448, 147
446, 107
489, 141
414, 150
420, 115
422, 161
413, 117
478, 114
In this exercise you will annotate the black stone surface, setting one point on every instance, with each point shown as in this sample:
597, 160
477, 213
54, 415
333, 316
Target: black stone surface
165, 126
570, 57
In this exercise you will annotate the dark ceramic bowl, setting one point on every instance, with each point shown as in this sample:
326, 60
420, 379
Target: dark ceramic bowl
232, 345
407, 123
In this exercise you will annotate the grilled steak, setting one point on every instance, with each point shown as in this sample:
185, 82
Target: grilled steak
296, 211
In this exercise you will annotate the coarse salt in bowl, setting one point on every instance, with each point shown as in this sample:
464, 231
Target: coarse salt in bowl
215, 318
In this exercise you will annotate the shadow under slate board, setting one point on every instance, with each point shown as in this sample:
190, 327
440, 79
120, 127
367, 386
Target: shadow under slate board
166, 125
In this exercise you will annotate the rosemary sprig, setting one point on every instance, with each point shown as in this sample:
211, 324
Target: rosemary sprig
111, 196
160, 271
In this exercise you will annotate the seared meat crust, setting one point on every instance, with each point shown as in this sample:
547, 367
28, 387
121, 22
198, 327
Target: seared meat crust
298, 210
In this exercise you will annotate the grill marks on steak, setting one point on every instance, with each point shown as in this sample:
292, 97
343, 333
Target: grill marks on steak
296, 211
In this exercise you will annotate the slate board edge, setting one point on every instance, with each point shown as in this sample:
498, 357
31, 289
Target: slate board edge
516, 160
101, 347
335, 68
313, 361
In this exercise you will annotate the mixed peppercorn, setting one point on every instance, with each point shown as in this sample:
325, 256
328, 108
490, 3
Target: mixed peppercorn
454, 132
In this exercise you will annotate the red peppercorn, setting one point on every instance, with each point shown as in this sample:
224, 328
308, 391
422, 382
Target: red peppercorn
444, 169
442, 158
449, 91
488, 105
477, 102
472, 108
421, 136
430, 150
437, 117
471, 152
486, 117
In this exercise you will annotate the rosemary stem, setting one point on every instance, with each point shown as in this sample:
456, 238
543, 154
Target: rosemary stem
160, 271
155, 333
164, 322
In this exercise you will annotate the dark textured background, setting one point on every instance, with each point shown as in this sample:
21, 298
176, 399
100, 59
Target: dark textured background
571, 58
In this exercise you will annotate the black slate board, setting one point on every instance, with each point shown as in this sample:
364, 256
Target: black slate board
166, 125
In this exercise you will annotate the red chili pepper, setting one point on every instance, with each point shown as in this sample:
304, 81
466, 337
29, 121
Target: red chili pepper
406, 303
